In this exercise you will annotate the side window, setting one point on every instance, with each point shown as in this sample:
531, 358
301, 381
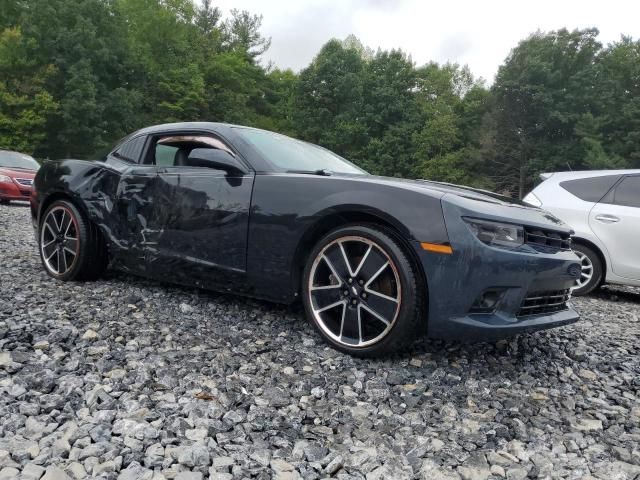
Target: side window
165, 155
131, 149
590, 189
627, 193
173, 150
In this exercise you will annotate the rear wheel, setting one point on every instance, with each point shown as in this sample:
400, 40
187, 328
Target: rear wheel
4, 201
71, 248
591, 274
360, 292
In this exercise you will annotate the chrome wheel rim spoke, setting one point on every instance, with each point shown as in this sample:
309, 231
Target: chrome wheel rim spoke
62, 218
51, 229
55, 221
63, 254
59, 241
376, 315
337, 260
381, 306
336, 275
363, 261
50, 256
67, 227
351, 326
325, 298
586, 273
354, 291
70, 244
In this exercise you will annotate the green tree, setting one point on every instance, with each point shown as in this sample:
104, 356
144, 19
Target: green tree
77, 74
242, 34
452, 106
390, 113
279, 94
329, 98
617, 103
541, 93
84, 41
25, 103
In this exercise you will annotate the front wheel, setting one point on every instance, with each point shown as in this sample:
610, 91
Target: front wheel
591, 274
361, 292
71, 248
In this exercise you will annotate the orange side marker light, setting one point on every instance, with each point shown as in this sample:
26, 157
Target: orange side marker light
437, 247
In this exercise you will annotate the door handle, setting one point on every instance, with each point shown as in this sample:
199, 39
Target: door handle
607, 218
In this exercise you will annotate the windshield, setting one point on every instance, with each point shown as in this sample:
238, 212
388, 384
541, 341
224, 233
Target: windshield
17, 160
288, 154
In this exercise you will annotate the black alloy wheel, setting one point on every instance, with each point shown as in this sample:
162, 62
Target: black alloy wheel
71, 248
361, 293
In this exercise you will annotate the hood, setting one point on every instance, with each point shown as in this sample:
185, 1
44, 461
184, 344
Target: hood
18, 172
494, 203
474, 193
460, 190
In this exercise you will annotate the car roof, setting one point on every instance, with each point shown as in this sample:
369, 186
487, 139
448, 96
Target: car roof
14, 152
187, 126
559, 176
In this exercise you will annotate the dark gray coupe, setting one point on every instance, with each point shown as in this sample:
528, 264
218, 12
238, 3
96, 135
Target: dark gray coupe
375, 260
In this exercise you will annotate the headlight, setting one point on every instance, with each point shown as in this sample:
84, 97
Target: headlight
5, 179
496, 234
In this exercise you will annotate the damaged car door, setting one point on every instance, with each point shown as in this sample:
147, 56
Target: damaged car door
201, 211
137, 231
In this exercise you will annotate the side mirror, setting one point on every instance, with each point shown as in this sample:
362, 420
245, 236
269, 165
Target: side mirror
215, 158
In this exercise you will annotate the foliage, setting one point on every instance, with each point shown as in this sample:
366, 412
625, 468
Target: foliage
75, 75
563, 102
25, 103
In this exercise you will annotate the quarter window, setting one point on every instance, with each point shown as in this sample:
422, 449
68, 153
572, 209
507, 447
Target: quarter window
131, 149
590, 189
627, 193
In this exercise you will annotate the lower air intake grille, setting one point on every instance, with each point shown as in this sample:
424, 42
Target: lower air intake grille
539, 303
547, 239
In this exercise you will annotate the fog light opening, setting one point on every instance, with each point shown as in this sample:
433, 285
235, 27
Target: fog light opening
488, 301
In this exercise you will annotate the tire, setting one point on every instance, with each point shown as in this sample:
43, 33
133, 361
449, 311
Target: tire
591, 268
71, 247
379, 299
4, 201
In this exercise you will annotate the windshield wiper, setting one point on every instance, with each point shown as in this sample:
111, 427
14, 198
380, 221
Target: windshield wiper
322, 172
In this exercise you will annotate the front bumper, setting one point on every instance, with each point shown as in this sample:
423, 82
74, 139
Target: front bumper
11, 191
455, 282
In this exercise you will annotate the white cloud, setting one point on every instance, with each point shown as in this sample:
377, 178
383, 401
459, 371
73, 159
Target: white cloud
471, 32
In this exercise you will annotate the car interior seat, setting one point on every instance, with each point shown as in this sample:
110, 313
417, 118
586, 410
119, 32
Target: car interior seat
181, 158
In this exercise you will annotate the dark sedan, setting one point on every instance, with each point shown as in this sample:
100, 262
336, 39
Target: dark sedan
375, 260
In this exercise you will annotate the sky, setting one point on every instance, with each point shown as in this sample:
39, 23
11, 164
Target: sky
477, 33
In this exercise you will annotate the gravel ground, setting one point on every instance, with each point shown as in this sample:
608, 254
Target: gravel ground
132, 379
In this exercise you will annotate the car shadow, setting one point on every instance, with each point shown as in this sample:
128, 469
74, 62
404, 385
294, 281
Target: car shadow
507, 347
511, 350
212, 295
15, 204
614, 293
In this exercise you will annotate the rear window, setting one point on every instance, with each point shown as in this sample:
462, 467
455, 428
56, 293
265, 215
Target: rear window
590, 189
